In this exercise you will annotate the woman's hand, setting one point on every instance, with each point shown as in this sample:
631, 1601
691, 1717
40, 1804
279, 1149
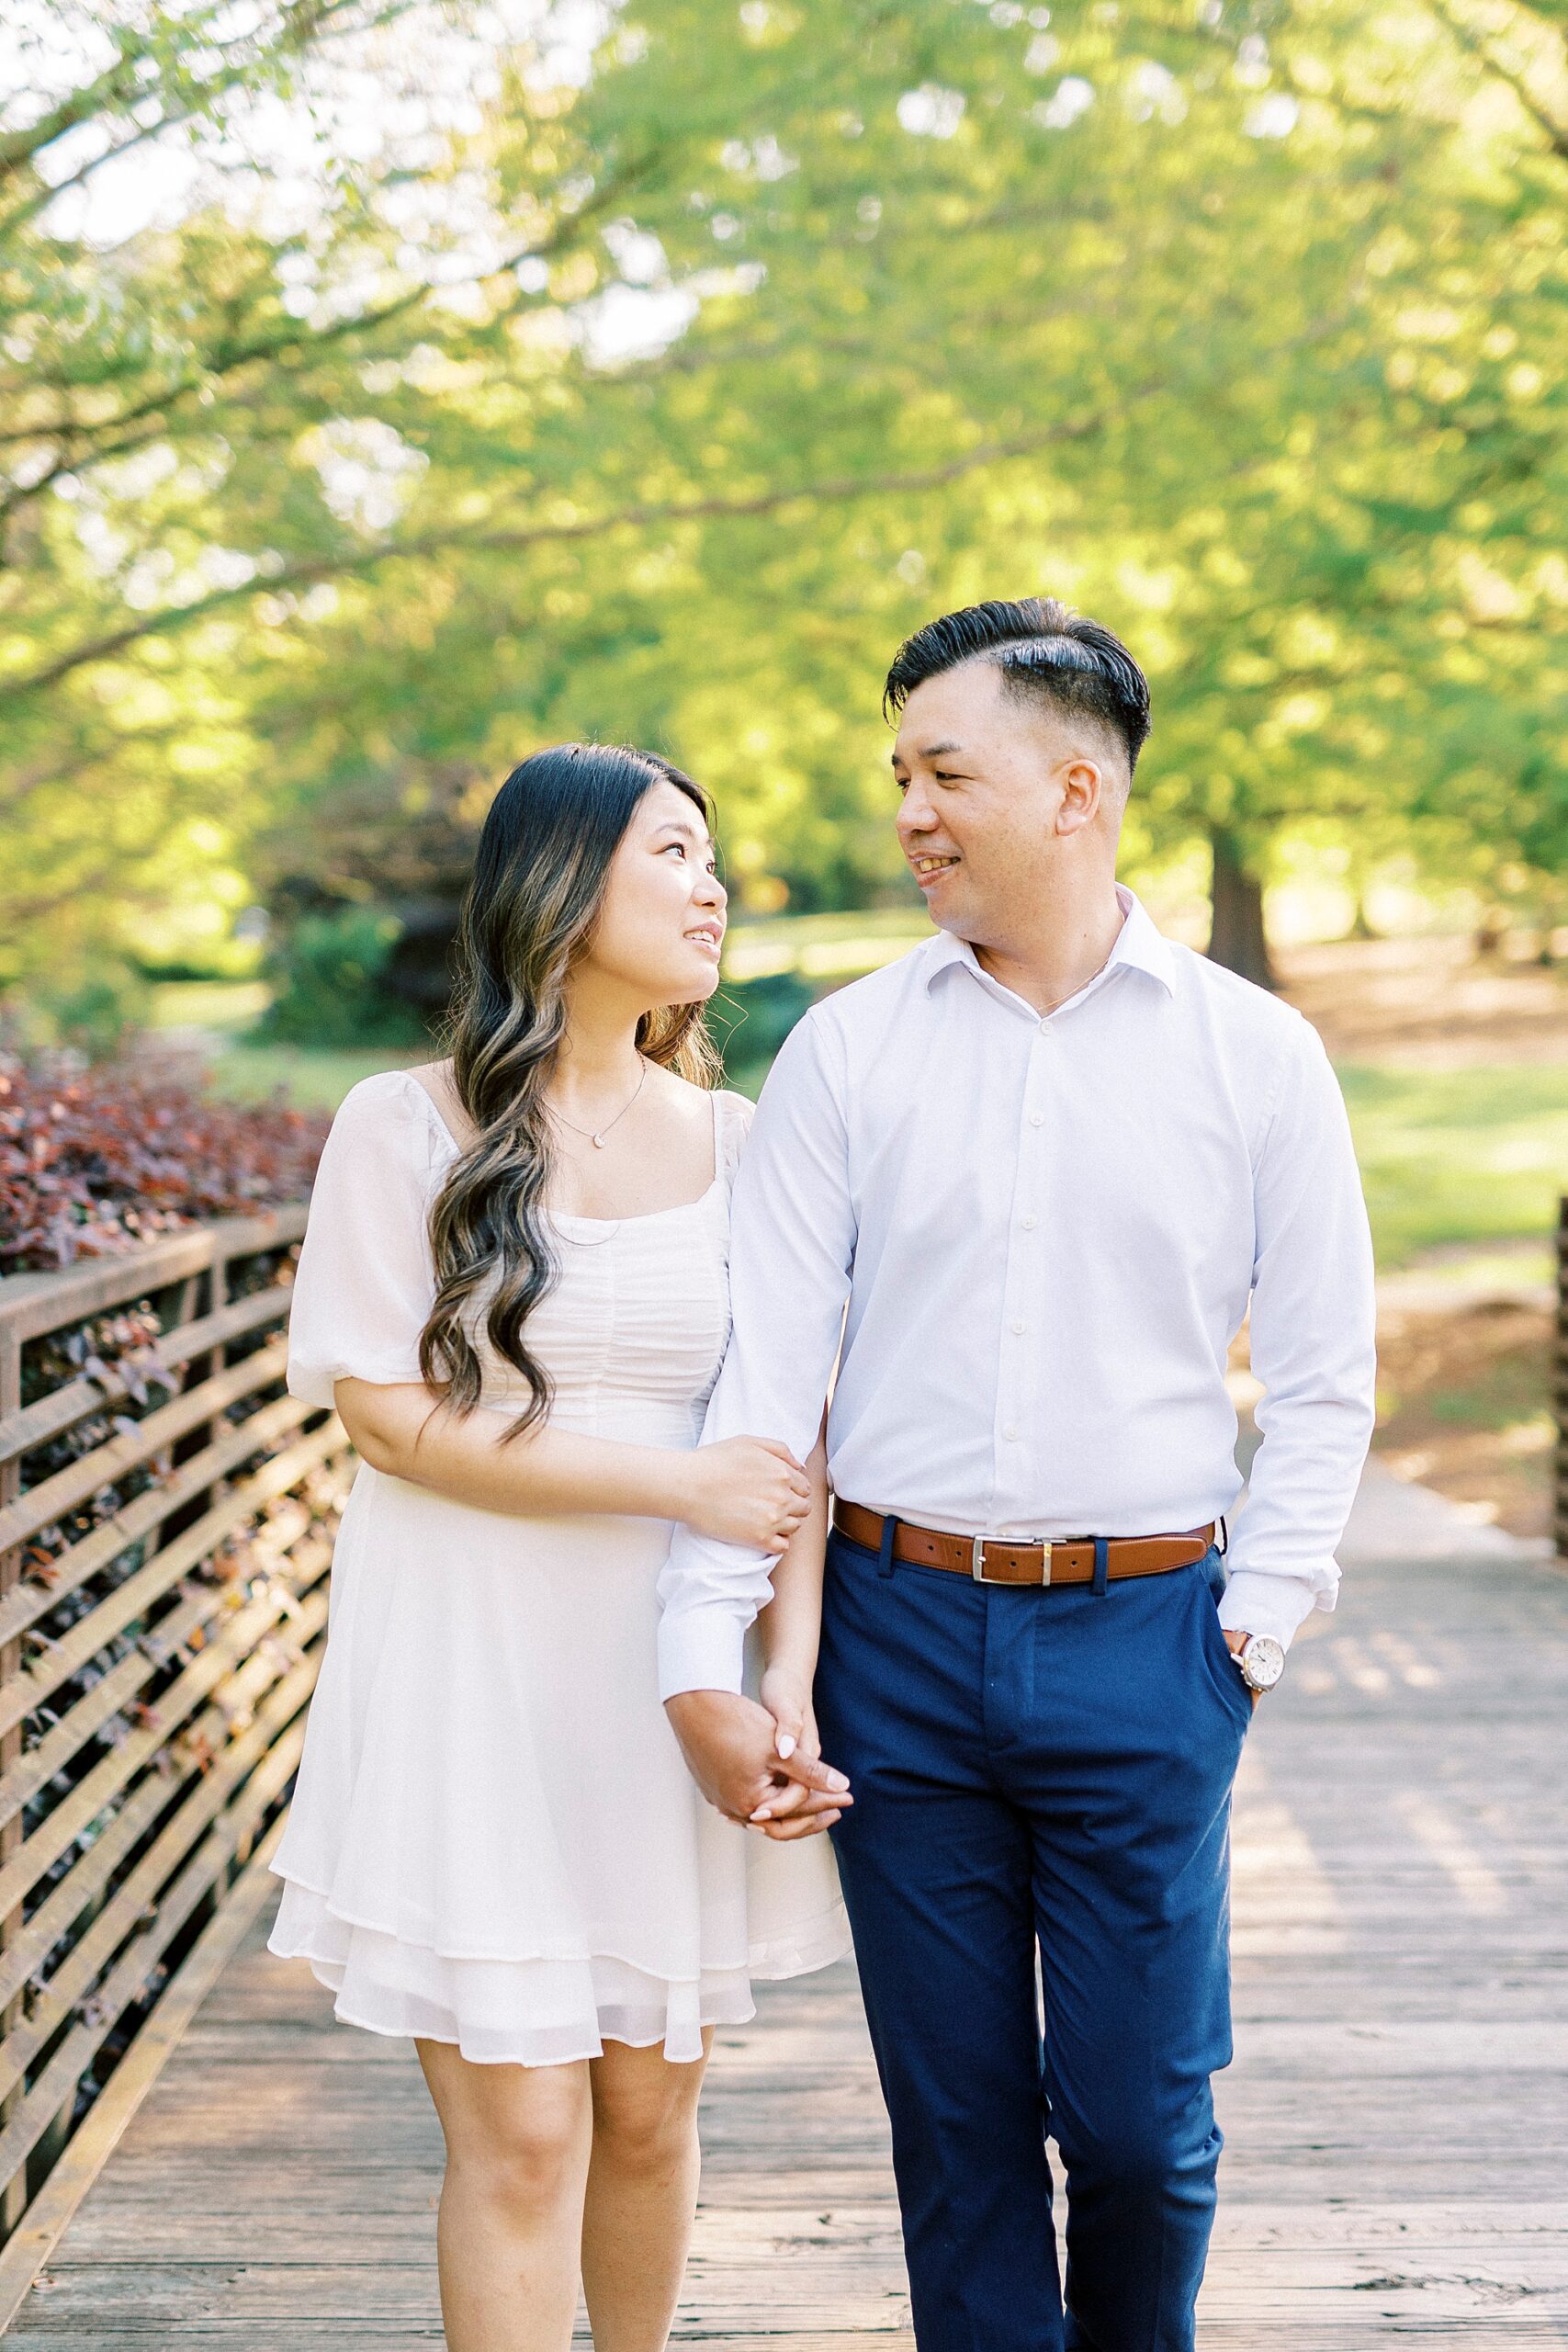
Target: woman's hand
747, 1490
787, 1694
793, 1811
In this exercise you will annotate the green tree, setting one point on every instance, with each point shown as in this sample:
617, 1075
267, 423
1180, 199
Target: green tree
661, 403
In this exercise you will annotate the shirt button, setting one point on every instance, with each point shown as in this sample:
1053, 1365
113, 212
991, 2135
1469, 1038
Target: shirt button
1030, 1223
1010, 1434
1037, 1118
1044, 1028
1019, 1329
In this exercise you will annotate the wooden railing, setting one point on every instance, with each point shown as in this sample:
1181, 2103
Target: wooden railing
1560, 1386
166, 1514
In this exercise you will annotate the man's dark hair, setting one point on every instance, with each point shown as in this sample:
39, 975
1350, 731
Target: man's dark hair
1044, 652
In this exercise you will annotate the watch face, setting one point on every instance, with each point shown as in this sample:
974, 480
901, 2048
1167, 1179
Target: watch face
1262, 1662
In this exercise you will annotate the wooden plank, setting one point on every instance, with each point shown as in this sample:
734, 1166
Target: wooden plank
280, 1540
64, 1825
62, 1409
80, 1480
64, 1658
31, 1305
263, 1432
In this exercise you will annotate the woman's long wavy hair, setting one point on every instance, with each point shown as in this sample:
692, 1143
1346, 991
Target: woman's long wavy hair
537, 887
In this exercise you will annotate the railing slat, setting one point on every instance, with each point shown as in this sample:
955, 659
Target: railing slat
245, 1688
61, 1828
34, 1598
41, 1506
20, 1432
73, 1980
31, 1305
122, 1684
127, 1981
29, 1689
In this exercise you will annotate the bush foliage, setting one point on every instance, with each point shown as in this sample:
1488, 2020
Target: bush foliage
329, 975
98, 1160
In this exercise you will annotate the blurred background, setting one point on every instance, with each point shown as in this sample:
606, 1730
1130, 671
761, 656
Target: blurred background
387, 390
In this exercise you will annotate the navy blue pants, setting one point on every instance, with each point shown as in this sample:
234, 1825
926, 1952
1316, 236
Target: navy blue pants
1040, 1771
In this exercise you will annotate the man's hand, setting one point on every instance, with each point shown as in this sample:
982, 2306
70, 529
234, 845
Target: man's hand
731, 1749
1235, 1643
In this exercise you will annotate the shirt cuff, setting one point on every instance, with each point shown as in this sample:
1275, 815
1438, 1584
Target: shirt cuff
701, 1649
1255, 1601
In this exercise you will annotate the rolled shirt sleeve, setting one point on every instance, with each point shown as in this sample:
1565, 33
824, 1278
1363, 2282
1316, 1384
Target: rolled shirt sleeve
791, 1252
1314, 1350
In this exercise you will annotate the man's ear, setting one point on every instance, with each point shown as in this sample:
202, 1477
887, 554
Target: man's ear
1082, 795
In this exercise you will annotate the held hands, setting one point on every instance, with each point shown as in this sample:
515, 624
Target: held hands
732, 1748
747, 1490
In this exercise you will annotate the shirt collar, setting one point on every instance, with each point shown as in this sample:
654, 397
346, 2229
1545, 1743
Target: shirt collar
1138, 943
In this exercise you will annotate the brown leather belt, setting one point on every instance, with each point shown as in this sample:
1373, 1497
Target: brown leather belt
989, 1561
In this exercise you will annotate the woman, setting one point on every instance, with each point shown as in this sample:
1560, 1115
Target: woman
513, 1288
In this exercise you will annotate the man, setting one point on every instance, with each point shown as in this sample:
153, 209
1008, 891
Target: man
1045, 1160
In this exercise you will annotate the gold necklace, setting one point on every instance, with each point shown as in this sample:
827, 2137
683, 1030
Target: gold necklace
598, 1140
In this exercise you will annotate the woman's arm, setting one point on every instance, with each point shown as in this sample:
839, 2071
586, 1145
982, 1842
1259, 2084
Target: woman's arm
791, 1625
748, 1490
790, 1628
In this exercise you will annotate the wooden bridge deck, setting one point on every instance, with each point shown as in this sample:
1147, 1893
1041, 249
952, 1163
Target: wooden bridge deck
1397, 2118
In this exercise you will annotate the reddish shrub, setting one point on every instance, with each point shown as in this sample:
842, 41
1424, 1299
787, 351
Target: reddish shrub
101, 1160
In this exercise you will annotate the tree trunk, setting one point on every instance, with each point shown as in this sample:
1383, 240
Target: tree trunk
1236, 937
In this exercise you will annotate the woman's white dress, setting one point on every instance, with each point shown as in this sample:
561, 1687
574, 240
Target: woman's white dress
495, 1840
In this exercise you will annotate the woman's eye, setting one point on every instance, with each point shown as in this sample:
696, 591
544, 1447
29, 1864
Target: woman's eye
677, 846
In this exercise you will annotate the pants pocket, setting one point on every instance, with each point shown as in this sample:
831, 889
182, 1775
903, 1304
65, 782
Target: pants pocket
1222, 1666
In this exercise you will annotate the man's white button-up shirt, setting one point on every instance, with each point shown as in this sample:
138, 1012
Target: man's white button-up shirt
1046, 1233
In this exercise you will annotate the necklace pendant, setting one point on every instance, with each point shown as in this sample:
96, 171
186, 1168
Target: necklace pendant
598, 1142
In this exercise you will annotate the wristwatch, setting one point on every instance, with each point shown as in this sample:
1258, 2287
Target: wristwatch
1260, 1661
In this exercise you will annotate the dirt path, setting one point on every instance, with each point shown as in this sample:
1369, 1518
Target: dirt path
1428, 1003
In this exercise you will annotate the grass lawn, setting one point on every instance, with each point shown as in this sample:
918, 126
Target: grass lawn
1458, 1157
247, 1073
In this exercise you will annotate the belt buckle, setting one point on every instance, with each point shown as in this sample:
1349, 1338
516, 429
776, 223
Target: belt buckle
978, 1559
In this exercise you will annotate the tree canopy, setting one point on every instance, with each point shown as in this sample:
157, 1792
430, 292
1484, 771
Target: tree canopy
650, 374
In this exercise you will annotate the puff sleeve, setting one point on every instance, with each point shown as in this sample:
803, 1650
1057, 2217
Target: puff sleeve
366, 1282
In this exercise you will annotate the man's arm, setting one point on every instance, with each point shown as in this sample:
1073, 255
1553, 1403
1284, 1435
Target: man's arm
1314, 1349
792, 1246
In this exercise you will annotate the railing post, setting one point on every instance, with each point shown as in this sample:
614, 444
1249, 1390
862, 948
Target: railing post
13, 2192
1560, 1387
